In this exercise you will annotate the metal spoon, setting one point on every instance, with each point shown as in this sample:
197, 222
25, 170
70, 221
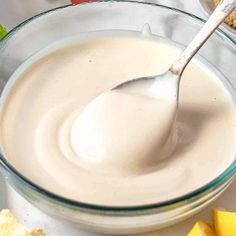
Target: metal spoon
166, 85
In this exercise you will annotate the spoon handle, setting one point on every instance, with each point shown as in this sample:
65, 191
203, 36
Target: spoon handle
224, 8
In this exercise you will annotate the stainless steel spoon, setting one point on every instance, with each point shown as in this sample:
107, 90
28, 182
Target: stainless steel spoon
166, 85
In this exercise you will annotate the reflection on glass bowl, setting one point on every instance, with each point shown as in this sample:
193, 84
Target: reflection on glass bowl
207, 7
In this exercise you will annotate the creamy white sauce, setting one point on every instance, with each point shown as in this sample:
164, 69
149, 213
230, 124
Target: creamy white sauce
121, 132
42, 127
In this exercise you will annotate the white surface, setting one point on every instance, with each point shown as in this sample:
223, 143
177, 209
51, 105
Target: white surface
12, 12
31, 217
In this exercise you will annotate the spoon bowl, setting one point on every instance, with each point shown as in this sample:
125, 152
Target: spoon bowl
166, 85
131, 101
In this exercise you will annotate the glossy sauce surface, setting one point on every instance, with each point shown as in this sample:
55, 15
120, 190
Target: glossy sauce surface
41, 134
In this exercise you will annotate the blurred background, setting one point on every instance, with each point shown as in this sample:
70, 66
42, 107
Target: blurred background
12, 12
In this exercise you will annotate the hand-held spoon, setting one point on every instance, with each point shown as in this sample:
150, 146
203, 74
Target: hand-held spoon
166, 85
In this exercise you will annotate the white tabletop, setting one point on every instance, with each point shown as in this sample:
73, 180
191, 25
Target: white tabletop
13, 12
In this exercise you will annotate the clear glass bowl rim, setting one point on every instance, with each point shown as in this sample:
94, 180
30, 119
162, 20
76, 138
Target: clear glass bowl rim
223, 177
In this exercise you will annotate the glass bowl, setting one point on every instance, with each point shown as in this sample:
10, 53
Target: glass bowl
48, 27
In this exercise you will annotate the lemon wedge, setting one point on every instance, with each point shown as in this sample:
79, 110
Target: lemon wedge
201, 229
225, 223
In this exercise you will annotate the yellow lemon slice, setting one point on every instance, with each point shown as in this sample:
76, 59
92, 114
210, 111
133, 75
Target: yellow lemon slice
201, 229
225, 223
